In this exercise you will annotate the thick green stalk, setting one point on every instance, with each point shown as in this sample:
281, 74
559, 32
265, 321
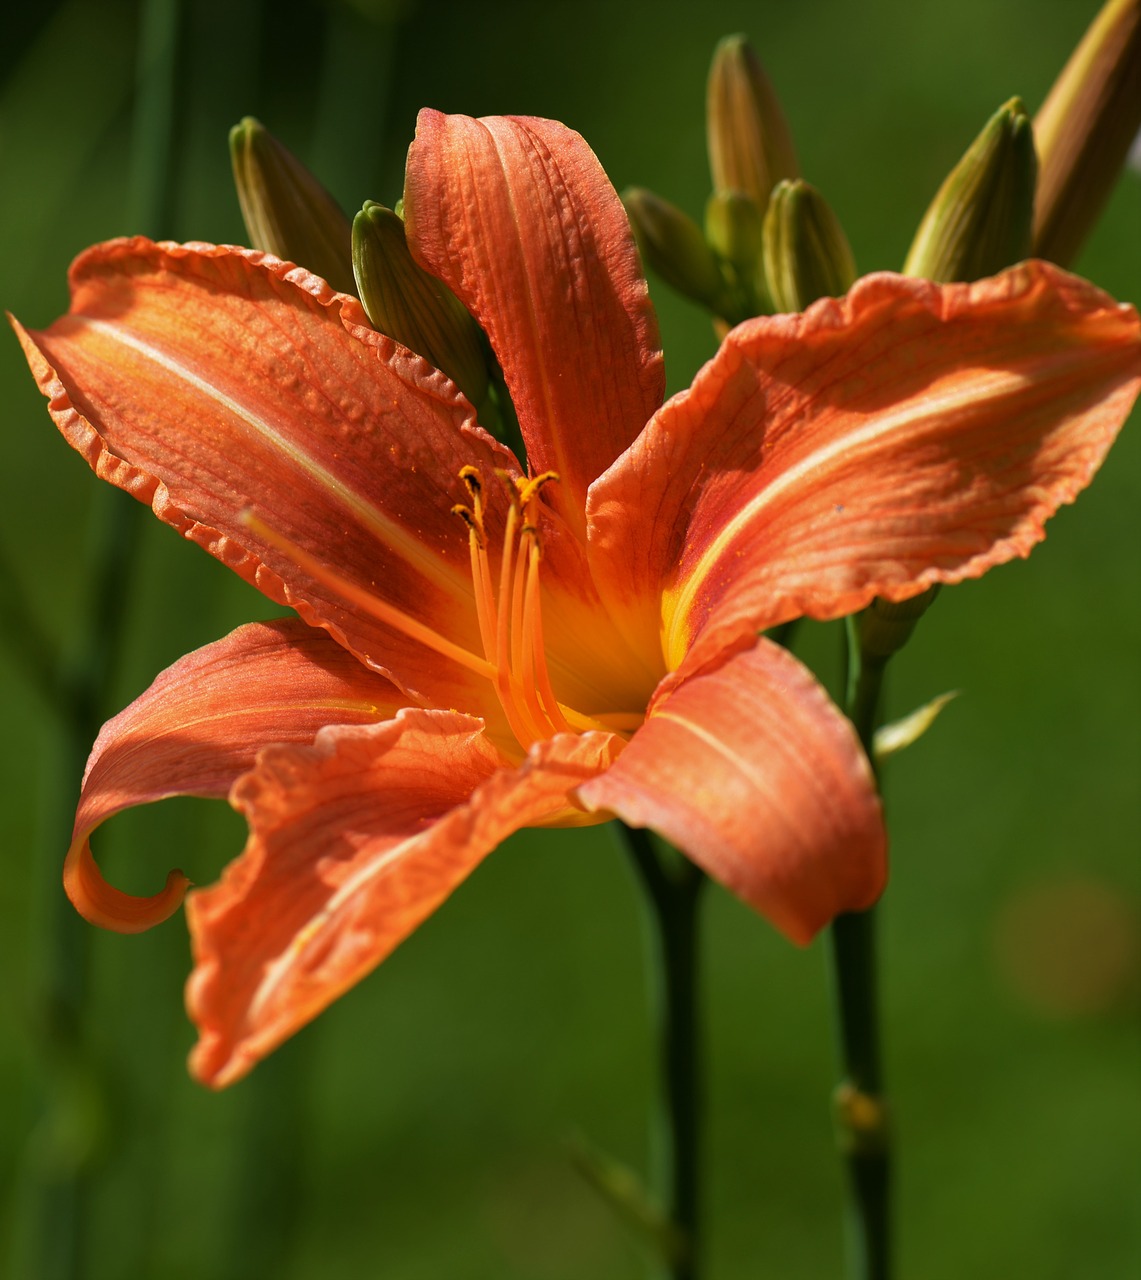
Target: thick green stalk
860, 1111
672, 890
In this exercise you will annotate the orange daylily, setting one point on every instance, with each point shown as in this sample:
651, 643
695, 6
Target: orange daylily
479, 649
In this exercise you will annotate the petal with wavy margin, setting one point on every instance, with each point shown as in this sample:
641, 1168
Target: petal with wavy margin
353, 842
907, 434
198, 727
213, 382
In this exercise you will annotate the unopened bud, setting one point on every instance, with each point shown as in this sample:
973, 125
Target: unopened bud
750, 146
734, 228
1085, 128
406, 303
807, 255
672, 244
980, 220
287, 212
885, 627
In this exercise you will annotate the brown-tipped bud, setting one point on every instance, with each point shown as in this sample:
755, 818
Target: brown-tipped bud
807, 255
980, 220
1085, 128
750, 146
672, 244
408, 304
885, 627
287, 212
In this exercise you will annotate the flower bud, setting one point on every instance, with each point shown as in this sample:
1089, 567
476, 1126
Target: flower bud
1085, 128
287, 212
806, 253
406, 303
734, 227
672, 244
750, 146
980, 219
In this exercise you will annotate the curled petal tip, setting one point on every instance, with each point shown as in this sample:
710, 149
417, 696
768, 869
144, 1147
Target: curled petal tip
110, 908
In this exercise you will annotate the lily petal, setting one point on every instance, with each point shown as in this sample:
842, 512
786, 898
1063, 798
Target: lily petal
518, 218
354, 841
753, 773
212, 382
201, 725
907, 434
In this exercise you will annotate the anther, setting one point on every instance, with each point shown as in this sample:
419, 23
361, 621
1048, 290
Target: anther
470, 476
530, 488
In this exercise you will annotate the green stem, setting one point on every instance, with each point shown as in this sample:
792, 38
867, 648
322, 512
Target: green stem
671, 895
75, 1097
860, 1112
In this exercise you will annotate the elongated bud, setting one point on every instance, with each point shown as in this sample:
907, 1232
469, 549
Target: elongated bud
807, 255
734, 229
980, 220
1085, 128
750, 146
885, 627
287, 212
408, 304
672, 244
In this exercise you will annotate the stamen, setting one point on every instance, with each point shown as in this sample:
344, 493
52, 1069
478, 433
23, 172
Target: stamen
468, 517
535, 669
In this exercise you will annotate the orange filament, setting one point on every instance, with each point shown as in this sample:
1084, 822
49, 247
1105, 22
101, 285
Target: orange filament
510, 612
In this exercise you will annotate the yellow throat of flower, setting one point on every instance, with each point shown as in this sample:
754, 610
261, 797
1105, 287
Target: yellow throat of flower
510, 612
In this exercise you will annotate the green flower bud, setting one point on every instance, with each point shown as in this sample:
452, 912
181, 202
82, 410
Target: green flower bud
806, 253
408, 304
287, 212
750, 146
672, 244
980, 220
1085, 128
734, 226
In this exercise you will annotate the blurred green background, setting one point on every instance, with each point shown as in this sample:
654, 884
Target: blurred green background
421, 1128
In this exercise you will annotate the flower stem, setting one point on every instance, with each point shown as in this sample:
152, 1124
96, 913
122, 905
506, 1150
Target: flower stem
671, 895
860, 1111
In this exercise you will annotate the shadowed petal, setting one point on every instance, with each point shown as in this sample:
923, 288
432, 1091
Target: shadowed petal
211, 381
518, 218
353, 842
198, 727
752, 772
907, 434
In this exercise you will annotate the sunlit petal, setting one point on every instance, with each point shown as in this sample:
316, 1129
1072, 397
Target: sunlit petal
517, 217
198, 727
752, 772
210, 381
353, 842
908, 434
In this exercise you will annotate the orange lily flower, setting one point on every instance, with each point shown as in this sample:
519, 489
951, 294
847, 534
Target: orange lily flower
479, 649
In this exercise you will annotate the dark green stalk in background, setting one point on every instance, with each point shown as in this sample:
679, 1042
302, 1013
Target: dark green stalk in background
74, 1115
860, 1112
671, 895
